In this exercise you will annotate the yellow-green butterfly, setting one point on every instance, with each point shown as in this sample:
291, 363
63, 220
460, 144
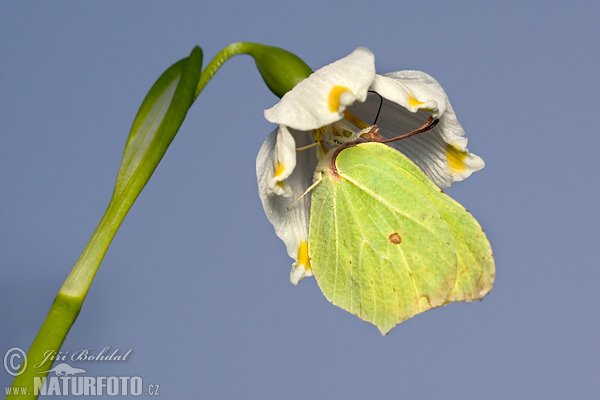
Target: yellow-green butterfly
386, 243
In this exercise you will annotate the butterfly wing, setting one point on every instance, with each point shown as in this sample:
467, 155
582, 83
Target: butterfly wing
475, 268
379, 248
383, 238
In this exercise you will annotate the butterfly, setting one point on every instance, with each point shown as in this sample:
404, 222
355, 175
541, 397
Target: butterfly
385, 243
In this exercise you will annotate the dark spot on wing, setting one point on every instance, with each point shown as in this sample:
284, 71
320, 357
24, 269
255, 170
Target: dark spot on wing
395, 238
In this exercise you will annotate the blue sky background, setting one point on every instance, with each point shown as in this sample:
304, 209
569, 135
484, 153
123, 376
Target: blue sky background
196, 282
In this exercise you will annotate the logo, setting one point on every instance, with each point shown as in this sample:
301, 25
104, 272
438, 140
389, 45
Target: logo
11, 361
64, 379
64, 369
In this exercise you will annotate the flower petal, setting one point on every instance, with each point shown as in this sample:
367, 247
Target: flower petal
291, 225
411, 94
411, 97
284, 162
301, 268
321, 99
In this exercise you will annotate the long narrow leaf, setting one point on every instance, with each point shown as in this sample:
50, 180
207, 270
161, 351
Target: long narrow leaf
158, 120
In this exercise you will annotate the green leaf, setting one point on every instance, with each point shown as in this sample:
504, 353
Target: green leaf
386, 243
157, 122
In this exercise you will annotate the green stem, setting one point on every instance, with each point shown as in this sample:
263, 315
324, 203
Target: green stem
68, 302
280, 69
233, 49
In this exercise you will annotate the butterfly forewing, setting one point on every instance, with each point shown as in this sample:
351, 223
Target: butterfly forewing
476, 269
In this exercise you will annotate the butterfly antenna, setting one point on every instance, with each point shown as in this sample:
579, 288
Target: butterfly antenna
307, 147
380, 105
430, 124
311, 187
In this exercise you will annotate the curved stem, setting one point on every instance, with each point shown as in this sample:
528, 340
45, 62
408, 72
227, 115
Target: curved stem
280, 69
233, 49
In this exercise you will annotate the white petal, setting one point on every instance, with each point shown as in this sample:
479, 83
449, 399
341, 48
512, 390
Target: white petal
298, 273
440, 152
427, 89
301, 268
284, 162
290, 225
321, 98
411, 94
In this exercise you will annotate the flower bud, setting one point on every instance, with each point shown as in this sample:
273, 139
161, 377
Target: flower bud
280, 69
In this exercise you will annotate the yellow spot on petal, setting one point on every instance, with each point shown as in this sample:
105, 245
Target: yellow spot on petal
456, 159
303, 258
279, 169
354, 120
334, 97
412, 101
280, 184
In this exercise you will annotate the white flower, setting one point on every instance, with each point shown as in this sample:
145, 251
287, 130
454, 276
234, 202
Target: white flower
336, 104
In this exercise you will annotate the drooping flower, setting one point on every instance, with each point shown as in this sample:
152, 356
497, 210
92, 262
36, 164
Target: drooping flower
337, 104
